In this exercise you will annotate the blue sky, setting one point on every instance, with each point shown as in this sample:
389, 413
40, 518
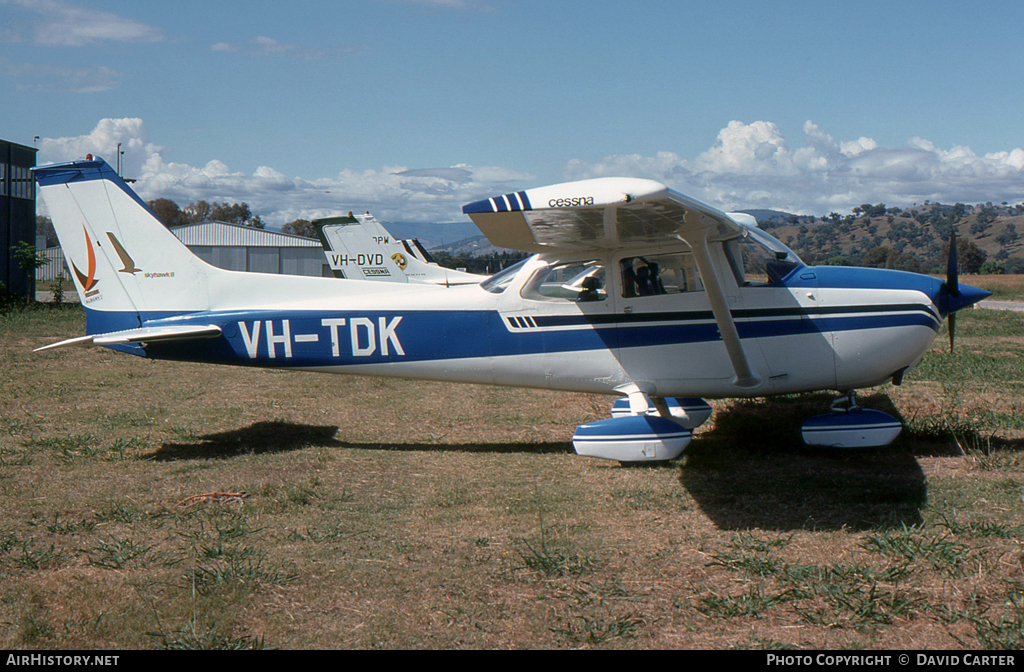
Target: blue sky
411, 108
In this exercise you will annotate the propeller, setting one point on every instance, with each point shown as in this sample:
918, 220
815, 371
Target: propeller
952, 286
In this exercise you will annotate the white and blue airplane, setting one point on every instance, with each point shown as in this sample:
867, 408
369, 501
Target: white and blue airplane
634, 290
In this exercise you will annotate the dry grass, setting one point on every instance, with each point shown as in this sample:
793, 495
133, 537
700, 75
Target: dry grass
394, 514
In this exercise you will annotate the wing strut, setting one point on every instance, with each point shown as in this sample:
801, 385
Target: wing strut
745, 376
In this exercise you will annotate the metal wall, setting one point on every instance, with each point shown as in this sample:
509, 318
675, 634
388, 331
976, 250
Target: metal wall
285, 260
17, 213
255, 259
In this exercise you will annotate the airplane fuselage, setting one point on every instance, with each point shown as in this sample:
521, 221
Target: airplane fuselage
819, 328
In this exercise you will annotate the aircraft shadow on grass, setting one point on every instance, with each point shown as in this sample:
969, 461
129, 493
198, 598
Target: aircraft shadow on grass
262, 438
751, 471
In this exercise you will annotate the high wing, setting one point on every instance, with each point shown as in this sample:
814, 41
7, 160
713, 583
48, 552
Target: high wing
600, 214
607, 214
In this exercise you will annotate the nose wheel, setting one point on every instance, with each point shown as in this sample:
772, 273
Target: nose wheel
845, 404
850, 426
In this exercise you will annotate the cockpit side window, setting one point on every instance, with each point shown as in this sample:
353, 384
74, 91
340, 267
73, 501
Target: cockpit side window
654, 275
580, 281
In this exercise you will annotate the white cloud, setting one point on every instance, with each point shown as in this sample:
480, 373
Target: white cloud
752, 165
54, 78
862, 144
268, 46
103, 141
757, 148
749, 166
61, 24
395, 193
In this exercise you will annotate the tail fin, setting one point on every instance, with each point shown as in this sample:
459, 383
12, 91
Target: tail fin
126, 265
358, 252
361, 248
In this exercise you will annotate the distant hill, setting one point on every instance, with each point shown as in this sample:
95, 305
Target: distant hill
455, 238
433, 234
768, 215
914, 239
911, 239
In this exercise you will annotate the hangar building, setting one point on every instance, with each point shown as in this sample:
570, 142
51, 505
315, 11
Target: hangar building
244, 248
236, 248
17, 212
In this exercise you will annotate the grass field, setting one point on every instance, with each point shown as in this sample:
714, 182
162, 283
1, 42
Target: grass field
154, 504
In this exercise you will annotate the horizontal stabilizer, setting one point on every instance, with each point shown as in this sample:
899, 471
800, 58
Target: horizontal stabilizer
142, 335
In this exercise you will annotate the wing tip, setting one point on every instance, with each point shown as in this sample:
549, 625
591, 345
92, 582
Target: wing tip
517, 201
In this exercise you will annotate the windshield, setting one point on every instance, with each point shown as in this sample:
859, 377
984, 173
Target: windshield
758, 259
497, 283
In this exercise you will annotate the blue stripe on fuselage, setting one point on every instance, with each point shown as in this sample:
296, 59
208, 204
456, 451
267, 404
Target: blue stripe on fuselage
311, 339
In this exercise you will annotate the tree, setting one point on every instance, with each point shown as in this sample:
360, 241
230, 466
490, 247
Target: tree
969, 256
199, 211
167, 211
959, 209
992, 268
29, 260
236, 213
886, 257
44, 227
1009, 235
300, 227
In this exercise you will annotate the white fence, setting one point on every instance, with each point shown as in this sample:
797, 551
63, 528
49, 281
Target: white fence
54, 265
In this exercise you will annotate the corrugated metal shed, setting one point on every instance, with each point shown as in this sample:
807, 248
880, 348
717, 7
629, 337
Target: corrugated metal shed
244, 248
239, 248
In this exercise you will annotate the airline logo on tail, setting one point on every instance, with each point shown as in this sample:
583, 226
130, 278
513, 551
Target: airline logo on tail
126, 260
87, 280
